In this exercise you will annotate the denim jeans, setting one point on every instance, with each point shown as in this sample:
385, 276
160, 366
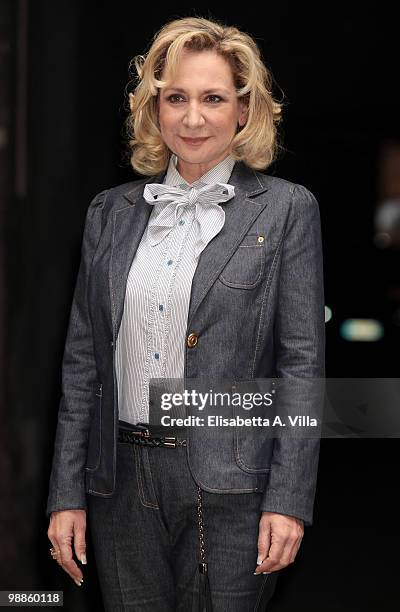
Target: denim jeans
145, 538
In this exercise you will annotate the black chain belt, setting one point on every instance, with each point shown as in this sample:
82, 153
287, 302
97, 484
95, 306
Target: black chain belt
142, 437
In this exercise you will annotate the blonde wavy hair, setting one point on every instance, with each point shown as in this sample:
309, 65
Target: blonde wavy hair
255, 143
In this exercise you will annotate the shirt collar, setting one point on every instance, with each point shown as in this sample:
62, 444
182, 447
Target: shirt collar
218, 174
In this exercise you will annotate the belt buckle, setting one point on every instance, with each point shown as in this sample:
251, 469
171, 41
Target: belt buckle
169, 441
144, 430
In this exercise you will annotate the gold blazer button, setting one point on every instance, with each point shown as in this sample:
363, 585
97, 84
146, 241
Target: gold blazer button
192, 340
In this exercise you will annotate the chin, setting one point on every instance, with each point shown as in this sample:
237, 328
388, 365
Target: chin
194, 158
197, 157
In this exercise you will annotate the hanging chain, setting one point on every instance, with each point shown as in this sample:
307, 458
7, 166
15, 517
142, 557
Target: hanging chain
203, 564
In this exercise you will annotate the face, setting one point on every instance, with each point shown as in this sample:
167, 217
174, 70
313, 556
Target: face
201, 103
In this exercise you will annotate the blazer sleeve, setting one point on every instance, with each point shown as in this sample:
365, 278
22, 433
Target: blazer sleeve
79, 373
299, 337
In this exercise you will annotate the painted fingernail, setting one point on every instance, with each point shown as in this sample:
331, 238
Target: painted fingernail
267, 573
78, 583
83, 559
259, 560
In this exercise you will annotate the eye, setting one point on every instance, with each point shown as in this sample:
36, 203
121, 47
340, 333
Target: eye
173, 96
215, 96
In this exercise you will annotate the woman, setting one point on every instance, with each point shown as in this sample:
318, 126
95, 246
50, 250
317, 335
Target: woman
207, 269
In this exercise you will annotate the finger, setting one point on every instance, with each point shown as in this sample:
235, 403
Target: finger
56, 547
264, 542
267, 567
273, 560
282, 558
80, 543
293, 545
295, 549
67, 561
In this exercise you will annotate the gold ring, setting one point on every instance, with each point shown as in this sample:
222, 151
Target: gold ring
54, 552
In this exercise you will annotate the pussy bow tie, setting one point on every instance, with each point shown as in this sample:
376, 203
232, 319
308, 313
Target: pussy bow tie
209, 216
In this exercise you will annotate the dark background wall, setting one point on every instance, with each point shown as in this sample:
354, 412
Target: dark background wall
63, 74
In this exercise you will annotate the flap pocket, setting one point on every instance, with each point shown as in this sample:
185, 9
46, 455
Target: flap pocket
245, 268
253, 450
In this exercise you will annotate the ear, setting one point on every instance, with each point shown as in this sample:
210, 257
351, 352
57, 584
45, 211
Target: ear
243, 112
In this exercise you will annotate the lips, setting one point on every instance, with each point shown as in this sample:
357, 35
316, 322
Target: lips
194, 140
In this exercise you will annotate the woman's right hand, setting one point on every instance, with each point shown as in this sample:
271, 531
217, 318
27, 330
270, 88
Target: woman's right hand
65, 526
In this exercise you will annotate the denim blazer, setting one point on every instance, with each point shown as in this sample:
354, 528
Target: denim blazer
258, 312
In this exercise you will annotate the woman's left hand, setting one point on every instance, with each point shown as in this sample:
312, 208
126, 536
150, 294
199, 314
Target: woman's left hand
279, 539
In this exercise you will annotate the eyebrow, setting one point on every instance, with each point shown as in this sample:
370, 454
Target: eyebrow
206, 91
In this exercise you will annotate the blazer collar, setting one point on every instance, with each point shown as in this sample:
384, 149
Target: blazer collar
244, 179
130, 221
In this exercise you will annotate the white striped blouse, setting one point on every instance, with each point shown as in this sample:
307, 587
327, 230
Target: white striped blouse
151, 338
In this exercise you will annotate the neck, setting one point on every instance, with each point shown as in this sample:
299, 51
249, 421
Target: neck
192, 172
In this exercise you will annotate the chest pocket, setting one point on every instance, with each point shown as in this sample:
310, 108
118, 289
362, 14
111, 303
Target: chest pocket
245, 268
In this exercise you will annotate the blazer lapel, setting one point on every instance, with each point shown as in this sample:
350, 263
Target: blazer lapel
130, 217
240, 213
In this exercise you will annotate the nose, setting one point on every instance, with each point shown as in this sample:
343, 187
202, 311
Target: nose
193, 116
